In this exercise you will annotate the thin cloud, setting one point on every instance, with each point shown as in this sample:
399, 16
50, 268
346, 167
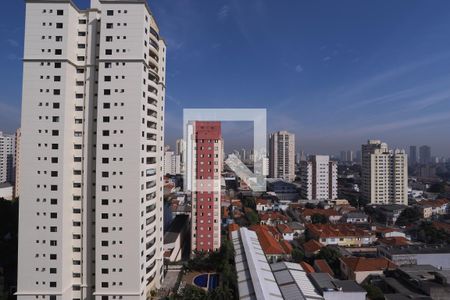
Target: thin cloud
326, 58
223, 13
298, 68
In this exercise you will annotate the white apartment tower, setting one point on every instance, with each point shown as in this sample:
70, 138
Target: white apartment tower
172, 163
384, 174
7, 157
90, 220
282, 155
318, 177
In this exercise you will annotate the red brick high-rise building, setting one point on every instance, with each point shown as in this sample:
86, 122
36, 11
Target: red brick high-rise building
206, 198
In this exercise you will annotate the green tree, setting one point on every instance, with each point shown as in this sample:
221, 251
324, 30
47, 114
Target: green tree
297, 255
331, 256
194, 293
252, 217
373, 292
437, 188
409, 215
319, 219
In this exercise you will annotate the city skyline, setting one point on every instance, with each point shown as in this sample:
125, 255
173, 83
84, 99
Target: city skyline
378, 77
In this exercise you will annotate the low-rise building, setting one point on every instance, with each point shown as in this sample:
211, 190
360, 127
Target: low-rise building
293, 282
333, 289
263, 205
435, 255
358, 268
332, 215
6, 191
273, 218
271, 247
356, 217
390, 212
415, 282
346, 235
321, 266
286, 232
435, 207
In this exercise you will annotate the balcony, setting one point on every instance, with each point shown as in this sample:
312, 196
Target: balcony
151, 255
151, 125
152, 101
150, 231
150, 208
153, 90
151, 160
150, 196
151, 148
150, 220
150, 244
152, 113
150, 184
150, 172
151, 137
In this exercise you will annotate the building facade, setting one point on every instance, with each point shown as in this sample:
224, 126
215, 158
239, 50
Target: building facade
425, 154
282, 155
412, 155
18, 137
384, 174
172, 163
318, 176
91, 152
7, 158
206, 169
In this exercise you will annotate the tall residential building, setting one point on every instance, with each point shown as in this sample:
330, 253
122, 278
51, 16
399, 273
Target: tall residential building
18, 137
425, 154
7, 158
172, 163
205, 144
384, 174
318, 177
412, 155
282, 155
180, 150
91, 152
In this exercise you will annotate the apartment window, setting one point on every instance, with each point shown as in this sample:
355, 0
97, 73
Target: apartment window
59, 25
109, 38
81, 33
59, 38
56, 92
53, 229
109, 25
106, 119
105, 146
57, 78
80, 71
56, 105
55, 132
53, 215
110, 13
79, 96
60, 12
82, 21
53, 187
107, 78
108, 52
81, 46
104, 216
54, 160
105, 201
57, 65
53, 243
55, 146
105, 284
106, 105
54, 174
53, 284
53, 201
105, 160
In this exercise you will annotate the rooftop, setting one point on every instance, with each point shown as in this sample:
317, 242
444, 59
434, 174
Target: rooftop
255, 278
322, 266
293, 281
312, 246
337, 230
363, 264
415, 249
325, 283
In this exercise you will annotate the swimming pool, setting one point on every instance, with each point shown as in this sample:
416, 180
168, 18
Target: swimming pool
207, 281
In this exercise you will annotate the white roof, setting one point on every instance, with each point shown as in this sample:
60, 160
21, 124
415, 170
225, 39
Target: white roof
255, 278
294, 282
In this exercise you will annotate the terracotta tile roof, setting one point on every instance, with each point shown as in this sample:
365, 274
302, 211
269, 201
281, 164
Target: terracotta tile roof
268, 243
363, 264
321, 265
336, 230
272, 230
307, 267
312, 246
434, 203
263, 201
287, 247
265, 216
394, 241
442, 226
283, 228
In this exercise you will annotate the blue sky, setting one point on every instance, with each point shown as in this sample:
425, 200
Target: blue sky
334, 72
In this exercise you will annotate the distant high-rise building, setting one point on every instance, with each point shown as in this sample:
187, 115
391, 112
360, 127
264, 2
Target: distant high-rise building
243, 155
172, 163
358, 156
412, 155
91, 200
282, 155
7, 158
205, 167
343, 156
384, 174
318, 178
350, 156
425, 154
